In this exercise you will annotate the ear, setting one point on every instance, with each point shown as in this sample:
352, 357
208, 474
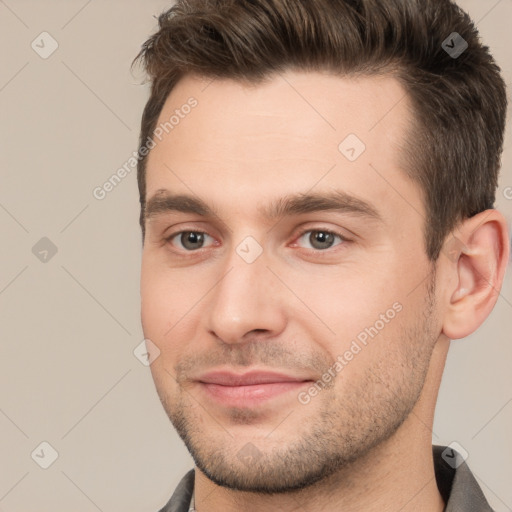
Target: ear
477, 258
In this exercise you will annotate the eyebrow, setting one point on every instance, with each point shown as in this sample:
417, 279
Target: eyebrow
339, 201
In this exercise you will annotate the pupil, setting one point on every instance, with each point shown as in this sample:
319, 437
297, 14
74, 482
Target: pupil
191, 240
321, 239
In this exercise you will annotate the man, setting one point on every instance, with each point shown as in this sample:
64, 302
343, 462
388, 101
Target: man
317, 181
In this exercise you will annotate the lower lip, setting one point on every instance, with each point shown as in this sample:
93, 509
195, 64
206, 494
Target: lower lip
254, 394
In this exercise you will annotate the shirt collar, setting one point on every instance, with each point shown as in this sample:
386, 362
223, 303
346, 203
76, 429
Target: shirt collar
456, 483
192, 507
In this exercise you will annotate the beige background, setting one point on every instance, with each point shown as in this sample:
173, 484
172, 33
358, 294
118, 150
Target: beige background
69, 326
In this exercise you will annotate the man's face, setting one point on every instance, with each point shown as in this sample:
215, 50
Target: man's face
267, 275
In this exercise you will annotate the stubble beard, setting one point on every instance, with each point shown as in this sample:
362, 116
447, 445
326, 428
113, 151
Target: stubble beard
340, 430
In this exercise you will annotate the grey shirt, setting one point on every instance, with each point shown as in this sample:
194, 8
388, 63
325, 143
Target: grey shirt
456, 483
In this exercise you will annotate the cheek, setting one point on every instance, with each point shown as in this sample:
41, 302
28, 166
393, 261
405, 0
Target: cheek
162, 304
346, 300
164, 293
169, 311
155, 299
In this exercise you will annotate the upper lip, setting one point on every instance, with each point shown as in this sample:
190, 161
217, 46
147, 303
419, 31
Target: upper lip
226, 378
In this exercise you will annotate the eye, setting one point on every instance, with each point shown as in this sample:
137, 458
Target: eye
189, 240
320, 239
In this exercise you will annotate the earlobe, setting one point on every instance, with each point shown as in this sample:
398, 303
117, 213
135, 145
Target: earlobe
478, 268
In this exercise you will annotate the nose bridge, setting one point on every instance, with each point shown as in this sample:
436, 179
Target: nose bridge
245, 298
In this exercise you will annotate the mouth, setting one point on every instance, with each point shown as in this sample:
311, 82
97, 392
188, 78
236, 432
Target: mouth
249, 389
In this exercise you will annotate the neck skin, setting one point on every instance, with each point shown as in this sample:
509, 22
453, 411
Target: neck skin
396, 475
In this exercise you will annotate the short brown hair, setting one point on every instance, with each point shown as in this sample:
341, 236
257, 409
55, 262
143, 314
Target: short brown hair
453, 151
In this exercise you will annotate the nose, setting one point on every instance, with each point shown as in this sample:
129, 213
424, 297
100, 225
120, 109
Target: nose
248, 299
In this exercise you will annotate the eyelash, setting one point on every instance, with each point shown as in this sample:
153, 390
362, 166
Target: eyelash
325, 231
343, 239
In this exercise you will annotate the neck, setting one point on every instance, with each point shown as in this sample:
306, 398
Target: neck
398, 474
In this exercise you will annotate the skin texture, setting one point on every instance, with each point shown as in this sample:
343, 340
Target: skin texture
363, 442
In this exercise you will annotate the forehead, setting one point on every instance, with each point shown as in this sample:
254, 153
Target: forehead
295, 132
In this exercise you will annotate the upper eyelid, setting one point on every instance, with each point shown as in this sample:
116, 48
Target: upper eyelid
300, 232
218, 229
321, 230
296, 236
177, 233
342, 237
